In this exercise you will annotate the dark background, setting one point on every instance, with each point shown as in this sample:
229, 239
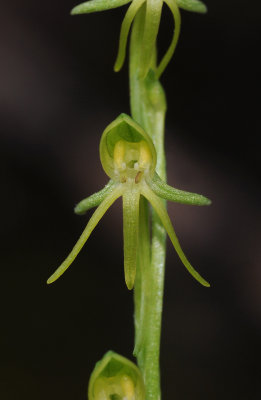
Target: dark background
57, 93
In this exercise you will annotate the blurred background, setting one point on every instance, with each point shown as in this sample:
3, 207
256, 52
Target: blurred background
58, 92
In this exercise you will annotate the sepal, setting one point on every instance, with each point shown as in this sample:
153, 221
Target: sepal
123, 129
97, 5
94, 200
115, 377
161, 189
192, 5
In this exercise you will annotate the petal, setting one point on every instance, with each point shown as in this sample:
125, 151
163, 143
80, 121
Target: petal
94, 200
161, 189
125, 28
130, 198
176, 15
192, 5
97, 215
163, 215
151, 29
98, 5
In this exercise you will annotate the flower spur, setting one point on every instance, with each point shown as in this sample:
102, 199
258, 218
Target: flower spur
128, 157
151, 26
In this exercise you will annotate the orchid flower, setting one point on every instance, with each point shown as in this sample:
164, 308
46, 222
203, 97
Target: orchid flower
116, 377
128, 157
151, 26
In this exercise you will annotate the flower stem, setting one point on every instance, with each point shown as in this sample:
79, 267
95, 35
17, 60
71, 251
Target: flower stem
148, 108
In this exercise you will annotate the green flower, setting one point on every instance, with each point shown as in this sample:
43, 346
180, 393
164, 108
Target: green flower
116, 378
151, 26
128, 157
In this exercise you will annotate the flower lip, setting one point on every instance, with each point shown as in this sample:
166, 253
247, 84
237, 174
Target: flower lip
126, 151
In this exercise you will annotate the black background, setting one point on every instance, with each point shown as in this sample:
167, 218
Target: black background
57, 93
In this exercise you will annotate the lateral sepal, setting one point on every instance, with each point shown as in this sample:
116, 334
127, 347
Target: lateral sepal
163, 190
98, 5
94, 200
192, 5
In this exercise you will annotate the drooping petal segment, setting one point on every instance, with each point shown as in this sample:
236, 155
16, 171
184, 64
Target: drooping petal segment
125, 28
97, 215
177, 20
162, 213
130, 202
150, 33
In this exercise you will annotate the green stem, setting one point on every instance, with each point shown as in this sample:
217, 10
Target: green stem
148, 107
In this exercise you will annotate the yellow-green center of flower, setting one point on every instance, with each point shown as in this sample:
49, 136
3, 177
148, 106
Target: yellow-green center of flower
131, 160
